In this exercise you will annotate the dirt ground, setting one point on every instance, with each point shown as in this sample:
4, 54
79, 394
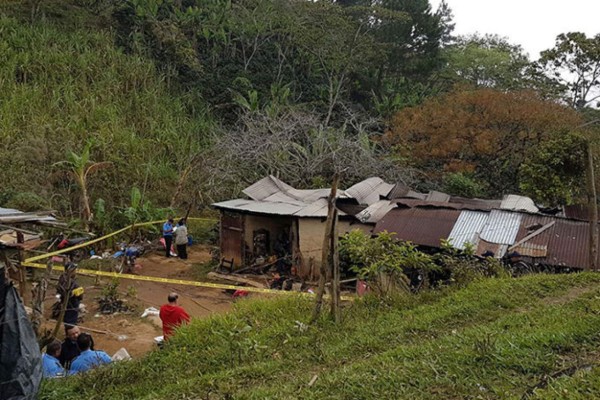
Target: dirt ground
129, 330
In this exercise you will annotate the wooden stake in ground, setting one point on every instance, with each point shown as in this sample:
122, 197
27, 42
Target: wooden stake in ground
326, 252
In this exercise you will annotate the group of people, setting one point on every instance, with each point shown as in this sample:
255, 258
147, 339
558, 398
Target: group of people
74, 355
180, 233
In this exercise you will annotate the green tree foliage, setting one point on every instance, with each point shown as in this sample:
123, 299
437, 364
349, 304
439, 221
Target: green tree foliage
325, 53
486, 61
554, 173
574, 65
382, 260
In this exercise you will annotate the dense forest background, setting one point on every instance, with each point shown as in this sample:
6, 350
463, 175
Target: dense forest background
113, 105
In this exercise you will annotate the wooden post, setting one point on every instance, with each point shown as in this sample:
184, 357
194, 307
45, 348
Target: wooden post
327, 241
335, 266
593, 204
22, 273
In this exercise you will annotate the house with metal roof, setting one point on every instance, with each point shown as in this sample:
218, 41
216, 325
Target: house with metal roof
275, 214
547, 240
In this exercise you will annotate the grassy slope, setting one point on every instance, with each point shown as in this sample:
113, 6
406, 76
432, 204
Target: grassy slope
64, 82
493, 339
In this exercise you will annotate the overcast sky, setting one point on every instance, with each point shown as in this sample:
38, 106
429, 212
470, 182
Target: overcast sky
534, 24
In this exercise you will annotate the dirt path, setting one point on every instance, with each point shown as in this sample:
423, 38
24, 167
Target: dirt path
137, 334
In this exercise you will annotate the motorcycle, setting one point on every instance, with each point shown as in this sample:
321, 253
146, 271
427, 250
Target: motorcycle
62, 242
125, 258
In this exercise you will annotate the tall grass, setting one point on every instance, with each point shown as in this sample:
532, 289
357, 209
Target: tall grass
494, 339
62, 88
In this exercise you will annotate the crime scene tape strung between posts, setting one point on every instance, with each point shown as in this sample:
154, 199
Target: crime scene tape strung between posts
85, 244
182, 282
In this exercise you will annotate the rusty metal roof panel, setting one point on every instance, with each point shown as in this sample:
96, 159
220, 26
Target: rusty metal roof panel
501, 227
376, 211
467, 228
421, 226
537, 245
369, 191
568, 244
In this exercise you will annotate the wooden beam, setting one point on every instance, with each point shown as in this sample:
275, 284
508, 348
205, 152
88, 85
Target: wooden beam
532, 235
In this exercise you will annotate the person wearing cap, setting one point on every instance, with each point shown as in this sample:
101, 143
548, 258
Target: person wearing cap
70, 292
172, 316
88, 358
168, 236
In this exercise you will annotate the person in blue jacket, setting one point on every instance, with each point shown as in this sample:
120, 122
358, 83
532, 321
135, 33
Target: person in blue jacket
51, 367
88, 358
168, 236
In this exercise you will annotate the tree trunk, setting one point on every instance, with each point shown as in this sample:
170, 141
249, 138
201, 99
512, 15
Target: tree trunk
335, 273
325, 258
593, 204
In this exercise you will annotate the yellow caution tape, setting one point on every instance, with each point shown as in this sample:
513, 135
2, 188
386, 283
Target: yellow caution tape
29, 262
181, 281
85, 244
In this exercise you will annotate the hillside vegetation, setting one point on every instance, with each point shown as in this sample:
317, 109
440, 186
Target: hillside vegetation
63, 88
535, 336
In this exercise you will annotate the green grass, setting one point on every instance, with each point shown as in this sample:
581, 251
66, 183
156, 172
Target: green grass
64, 83
494, 339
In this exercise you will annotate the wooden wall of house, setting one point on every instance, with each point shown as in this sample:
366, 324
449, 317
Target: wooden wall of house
311, 232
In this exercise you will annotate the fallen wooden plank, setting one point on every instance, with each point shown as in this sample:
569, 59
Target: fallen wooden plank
235, 278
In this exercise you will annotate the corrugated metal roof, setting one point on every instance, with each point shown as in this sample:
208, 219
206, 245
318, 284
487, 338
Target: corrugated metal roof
439, 204
481, 204
266, 187
421, 226
11, 215
259, 207
569, 244
375, 212
501, 227
536, 246
437, 196
514, 202
369, 190
467, 228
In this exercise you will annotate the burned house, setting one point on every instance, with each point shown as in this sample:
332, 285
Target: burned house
278, 220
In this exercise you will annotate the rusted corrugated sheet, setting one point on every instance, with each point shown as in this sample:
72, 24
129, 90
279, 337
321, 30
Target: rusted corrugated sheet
480, 204
483, 247
569, 244
421, 226
467, 228
536, 246
502, 227
577, 211
439, 204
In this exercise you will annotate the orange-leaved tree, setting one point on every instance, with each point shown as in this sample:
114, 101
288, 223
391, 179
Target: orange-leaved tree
484, 133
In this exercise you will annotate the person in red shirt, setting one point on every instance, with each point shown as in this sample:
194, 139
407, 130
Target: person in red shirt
172, 315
